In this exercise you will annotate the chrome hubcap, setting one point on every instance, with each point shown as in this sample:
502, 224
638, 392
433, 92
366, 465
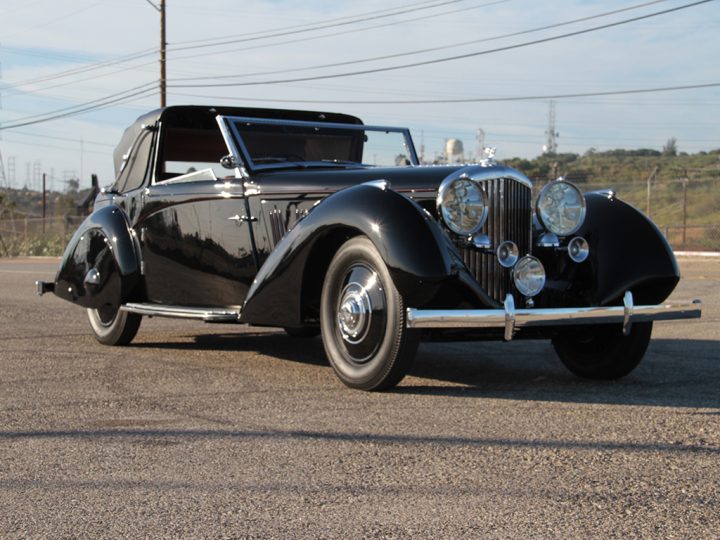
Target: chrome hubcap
360, 313
354, 315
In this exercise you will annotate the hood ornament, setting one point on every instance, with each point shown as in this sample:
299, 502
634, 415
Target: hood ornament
488, 159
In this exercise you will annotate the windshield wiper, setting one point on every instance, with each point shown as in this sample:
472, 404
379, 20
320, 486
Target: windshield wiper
281, 162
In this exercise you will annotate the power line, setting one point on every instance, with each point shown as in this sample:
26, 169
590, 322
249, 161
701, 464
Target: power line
56, 138
316, 27
472, 99
96, 152
296, 27
430, 49
343, 33
152, 51
82, 69
142, 90
89, 78
86, 103
446, 59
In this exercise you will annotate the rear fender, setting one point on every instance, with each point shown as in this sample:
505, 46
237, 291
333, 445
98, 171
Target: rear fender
100, 265
409, 240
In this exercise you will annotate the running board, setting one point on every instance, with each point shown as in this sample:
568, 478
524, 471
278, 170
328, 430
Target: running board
206, 314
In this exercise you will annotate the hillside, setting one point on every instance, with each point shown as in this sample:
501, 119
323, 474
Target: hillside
684, 195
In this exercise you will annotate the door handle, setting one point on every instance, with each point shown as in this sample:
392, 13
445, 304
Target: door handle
240, 219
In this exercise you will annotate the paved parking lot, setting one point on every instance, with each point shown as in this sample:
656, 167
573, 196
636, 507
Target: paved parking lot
221, 431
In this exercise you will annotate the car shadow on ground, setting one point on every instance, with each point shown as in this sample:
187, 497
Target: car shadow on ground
271, 343
674, 373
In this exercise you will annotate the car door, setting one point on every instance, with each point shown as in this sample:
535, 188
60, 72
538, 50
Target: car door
196, 245
195, 239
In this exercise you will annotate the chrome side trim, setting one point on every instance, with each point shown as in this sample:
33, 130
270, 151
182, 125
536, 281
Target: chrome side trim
511, 319
206, 314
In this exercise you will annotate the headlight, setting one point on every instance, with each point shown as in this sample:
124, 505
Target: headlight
461, 204
561, 207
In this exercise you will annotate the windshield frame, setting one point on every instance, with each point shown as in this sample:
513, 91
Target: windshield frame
232, 121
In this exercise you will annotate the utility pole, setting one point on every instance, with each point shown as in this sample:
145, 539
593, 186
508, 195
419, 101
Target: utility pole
163, 44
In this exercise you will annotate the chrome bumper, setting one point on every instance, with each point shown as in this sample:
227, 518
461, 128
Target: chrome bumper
42, 287
511, 319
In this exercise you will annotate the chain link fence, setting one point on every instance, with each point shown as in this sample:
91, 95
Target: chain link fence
687, 211
693, 237
36, 236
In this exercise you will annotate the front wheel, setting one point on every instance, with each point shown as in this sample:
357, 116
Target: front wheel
112, 326
362, 319
603, 352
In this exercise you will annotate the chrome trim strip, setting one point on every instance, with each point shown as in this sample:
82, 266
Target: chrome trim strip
628, 312
206, 314
493, 172
511, 319
240, 171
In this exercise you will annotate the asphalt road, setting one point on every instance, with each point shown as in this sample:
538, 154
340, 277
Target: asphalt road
221, 431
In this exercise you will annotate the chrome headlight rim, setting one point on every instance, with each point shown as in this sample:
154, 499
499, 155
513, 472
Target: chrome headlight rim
442, 204
582, 208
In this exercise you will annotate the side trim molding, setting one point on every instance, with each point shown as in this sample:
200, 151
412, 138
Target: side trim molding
206, 314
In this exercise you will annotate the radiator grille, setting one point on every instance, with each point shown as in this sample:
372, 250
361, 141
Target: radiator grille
509, 218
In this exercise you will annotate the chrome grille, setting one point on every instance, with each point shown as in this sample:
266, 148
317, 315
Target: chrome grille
509, 218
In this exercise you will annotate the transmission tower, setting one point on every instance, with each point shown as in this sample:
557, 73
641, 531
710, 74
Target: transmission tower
550, 146
480, 140
3, 178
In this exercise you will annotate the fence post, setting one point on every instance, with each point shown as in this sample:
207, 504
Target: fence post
684, 233
649, 189
43, 205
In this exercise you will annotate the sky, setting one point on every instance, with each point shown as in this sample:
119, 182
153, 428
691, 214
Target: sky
443, 68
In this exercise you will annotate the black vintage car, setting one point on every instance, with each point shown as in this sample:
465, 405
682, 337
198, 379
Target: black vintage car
316, 223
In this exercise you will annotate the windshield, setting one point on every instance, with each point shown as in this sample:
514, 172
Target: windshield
266, 143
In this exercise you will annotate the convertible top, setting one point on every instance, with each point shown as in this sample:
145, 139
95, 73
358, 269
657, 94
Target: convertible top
203, 117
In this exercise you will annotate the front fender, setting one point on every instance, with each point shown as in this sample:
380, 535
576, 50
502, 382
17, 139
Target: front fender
628, 252
100, 265
406, 236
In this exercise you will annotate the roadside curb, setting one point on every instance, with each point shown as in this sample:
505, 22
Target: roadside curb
692, 254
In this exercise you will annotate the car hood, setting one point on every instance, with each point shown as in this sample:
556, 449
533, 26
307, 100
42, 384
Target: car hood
413, 179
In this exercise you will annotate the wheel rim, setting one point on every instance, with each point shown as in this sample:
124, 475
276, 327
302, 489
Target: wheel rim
360, 313
106, 314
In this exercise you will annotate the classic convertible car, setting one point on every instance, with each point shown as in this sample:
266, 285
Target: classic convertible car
316, 223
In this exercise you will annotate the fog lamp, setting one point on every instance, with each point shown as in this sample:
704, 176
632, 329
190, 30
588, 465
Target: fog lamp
529, 276
507, 254
578, 249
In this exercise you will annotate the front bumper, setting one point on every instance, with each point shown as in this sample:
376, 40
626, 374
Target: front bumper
511, 319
